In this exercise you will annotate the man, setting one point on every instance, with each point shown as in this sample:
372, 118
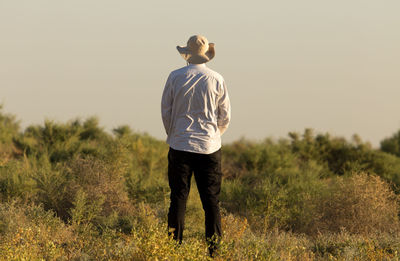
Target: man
195, 111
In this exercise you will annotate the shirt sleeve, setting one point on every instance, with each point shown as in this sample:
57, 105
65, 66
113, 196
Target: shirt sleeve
224, 110
166, 105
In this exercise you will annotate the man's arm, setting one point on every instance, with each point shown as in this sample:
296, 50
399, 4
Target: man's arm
224, 110
166, 105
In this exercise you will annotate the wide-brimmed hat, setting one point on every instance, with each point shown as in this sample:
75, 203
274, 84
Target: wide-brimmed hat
197, 50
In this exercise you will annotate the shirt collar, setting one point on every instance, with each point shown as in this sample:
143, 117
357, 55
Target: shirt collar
197, 65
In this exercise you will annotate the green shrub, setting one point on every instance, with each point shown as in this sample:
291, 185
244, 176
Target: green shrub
9, 127
61, 142
392, 144
16, 181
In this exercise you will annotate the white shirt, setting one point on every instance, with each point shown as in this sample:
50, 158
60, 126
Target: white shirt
195, 109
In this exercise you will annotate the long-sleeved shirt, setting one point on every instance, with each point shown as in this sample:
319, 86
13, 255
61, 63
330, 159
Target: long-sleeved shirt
195, 109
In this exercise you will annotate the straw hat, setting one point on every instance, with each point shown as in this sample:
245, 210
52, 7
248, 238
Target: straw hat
198, 50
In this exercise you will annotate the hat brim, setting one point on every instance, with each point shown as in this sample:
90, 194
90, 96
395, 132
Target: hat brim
197, 58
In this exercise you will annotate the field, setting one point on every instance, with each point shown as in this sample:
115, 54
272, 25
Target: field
72, 191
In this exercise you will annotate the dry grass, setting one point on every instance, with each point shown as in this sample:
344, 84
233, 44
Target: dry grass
30, 233
234, 227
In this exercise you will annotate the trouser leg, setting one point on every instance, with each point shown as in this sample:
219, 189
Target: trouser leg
208, 177
179, 175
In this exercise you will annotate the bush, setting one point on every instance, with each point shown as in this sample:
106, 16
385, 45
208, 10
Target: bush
9, 127
85, 190
392, 144
100, 194
360, 204
16, 181
61, 142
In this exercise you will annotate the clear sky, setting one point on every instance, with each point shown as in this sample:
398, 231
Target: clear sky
333, 66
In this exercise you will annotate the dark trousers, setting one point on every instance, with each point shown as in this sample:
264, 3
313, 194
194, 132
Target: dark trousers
207, 173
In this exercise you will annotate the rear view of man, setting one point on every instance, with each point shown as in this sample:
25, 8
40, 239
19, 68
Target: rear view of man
195, 111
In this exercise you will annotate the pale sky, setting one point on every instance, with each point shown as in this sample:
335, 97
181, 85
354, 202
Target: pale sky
333, 66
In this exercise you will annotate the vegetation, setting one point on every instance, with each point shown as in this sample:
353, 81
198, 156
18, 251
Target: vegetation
392, 144
72, 191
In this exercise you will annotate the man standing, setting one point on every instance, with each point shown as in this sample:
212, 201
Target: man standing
195, 111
